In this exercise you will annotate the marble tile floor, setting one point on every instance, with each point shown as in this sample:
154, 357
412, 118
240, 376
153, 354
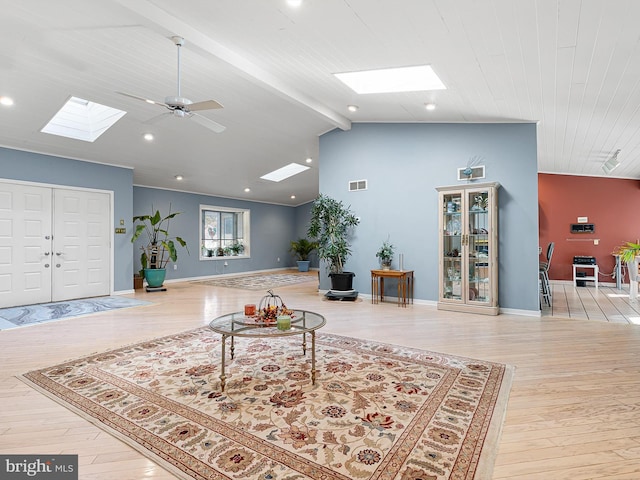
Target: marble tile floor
34, 314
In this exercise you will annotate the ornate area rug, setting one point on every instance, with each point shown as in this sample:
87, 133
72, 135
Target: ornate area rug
31, 314
377, 411
260, 282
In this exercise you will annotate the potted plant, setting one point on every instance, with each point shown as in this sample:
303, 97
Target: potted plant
160, 247
236, 248
385, 254
331, 224
628, 253
301, 250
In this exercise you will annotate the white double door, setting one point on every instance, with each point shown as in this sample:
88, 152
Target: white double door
55, 244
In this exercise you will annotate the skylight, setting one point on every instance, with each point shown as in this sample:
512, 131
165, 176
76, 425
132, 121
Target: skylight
285, 172
82, 120
392, 80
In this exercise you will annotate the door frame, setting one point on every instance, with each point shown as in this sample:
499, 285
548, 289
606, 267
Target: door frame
83, 189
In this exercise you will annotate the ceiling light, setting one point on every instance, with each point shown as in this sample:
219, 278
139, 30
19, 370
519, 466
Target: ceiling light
352, 108
82, 120
388, 80
6, 101
285, 172
247, 190
179, 177
309, 160
294, 3
293, 197
148, 136
430, 106
611, 164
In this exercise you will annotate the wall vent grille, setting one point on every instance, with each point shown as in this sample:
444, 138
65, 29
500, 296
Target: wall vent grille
476, 172
357, 185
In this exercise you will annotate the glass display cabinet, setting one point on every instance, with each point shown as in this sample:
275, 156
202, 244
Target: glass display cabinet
468, 246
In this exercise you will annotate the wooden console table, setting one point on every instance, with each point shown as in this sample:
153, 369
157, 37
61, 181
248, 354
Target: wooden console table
405, 285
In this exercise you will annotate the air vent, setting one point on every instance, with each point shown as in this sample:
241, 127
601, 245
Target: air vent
471, 173
356, 185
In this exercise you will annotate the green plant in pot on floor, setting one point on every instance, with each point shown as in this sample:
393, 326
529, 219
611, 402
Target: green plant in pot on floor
301, 250
331, 226
160, 248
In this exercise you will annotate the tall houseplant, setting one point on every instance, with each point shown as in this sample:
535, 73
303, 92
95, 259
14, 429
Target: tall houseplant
301, 250
160, 248
331, 225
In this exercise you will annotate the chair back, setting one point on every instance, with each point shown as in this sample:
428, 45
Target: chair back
550, 252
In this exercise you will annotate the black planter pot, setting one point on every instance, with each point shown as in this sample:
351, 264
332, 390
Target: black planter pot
342, 281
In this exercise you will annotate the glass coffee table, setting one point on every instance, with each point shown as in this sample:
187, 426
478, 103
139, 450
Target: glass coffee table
237, 324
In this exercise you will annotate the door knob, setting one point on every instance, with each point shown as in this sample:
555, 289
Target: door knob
46, 254
59, 253
46, 265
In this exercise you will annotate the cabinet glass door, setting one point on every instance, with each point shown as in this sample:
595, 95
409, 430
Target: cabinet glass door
477, 251
452, 246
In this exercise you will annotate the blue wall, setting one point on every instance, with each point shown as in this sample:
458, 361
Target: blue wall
34, 167
403, 164
272, 229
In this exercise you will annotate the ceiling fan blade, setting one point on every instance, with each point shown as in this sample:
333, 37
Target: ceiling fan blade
207, 122
206, 105
153, 102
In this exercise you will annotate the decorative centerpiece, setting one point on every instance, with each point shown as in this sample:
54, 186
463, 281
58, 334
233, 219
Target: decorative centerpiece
270, 308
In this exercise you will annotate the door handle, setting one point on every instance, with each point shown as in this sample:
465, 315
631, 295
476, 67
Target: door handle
59, 253
46, 254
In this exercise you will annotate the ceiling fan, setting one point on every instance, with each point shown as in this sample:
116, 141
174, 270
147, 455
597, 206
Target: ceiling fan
180, 106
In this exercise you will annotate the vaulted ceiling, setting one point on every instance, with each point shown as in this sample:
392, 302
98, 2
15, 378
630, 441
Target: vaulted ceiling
572, 66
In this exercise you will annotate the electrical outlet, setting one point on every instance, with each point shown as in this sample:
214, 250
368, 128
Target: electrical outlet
278, 259
226, 264
175, 266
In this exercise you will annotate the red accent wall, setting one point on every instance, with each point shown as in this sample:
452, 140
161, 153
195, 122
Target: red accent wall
611, 204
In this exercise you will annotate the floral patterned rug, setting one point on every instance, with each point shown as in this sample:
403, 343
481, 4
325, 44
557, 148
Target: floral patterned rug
377, 411
261, 281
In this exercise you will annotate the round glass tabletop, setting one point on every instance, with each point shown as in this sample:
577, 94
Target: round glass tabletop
237, 324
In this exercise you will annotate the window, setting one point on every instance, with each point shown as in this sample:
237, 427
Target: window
224, 232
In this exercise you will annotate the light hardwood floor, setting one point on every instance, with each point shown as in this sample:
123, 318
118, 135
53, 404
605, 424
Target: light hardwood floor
604, 304
573, 413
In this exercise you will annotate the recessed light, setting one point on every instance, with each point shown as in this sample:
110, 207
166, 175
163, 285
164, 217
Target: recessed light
294, 3
247, 190
179, 177
6, 101
309, 160
390, 80
353, 108
430, 106
148, 136
293, 197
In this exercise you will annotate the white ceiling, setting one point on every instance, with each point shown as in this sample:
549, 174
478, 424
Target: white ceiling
573, 66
